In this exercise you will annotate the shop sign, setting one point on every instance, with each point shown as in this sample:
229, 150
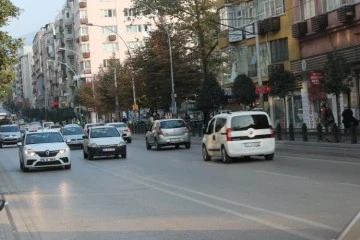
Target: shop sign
262, 89
235, 36
315, 77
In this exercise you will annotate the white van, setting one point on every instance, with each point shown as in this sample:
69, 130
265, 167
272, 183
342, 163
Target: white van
47, 125
239, 134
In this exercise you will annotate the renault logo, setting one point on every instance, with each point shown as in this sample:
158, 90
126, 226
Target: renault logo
47, 152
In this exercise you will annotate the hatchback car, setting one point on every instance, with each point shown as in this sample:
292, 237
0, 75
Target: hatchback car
75, 134
103, 141
123, 129
168, 132
44, 148
9, 135
239, 134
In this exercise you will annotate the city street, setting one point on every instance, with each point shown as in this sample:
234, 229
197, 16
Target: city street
306, 192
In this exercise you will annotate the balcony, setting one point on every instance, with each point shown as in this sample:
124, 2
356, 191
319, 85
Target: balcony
84, 38
68, 22
319, 23
82, 4
84, 21
277, 67
346, 13
112, 37
86, 54
299, 29
272, 24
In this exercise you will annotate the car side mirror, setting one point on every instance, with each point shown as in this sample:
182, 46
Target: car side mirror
19, 144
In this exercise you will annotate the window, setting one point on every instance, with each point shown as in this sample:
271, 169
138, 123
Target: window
84, 31
109, 30
307, 9
69, 30
279, 50
256, 121
223, 19
106, 62
133, 28
147, 27
330, 5
83, 14
85, 47
110, 47
108, 13
135, 44
210, 128
130, 12
86, 64
220, 123
269, 8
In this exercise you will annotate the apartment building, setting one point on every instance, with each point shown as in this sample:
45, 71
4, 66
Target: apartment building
239, 20
321, 27
22, 87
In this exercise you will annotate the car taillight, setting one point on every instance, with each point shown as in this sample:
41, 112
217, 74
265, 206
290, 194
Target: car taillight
272, 133
228, 135
127, 130
160, 132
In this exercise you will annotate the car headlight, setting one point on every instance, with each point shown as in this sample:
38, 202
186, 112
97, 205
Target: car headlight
122, 144
61, 151
30, 152
94, 145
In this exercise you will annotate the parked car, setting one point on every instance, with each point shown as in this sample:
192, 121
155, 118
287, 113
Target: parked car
103, 141
44, 148
75, 134
9, 135
239, 134
168, 132
123, 129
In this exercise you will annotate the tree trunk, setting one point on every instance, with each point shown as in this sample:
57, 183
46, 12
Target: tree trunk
338, 115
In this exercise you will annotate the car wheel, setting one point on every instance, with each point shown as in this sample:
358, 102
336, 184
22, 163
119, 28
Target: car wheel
269, 156
205, 154
68, 166
148, 146
21, 165
85, 154
177, 146
157, 145
224, 156
187, 145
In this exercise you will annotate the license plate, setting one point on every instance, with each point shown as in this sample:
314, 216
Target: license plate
174, 140
47, 159
252, 144
109, 149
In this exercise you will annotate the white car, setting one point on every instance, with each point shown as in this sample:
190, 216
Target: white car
123, 129
43, 148
103, 141
239, 134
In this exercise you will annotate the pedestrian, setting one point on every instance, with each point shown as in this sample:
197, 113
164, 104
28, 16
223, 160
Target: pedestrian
327, 120
347, 115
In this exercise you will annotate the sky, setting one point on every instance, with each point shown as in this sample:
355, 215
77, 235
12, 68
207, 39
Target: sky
35, 14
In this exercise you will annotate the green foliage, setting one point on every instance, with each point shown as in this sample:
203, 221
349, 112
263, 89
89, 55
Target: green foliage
282, 83
244, 89
337, 75
8, 45
211, 96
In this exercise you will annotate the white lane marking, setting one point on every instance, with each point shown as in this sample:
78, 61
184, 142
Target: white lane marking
281, 174
319, 159
351, 184
217, 207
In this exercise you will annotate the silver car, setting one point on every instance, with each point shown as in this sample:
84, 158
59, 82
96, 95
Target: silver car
75, 133
168, 132
123, 129
9, 135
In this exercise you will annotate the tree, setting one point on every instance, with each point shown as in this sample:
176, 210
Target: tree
244, 89
281, 84
337, 77
211, 96
8, 45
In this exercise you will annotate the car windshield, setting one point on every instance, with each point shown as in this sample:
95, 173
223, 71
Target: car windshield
50, 137
172, 124
73, 131
118, 125
104, 132
256, 121
9, 129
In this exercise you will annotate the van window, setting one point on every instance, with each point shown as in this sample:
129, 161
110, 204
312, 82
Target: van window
256, 121
211, 126
220, 122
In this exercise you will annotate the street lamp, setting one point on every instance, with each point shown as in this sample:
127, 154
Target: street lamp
132, 74
173, 102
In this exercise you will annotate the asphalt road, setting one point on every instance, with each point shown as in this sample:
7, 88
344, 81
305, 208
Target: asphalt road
307, 192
